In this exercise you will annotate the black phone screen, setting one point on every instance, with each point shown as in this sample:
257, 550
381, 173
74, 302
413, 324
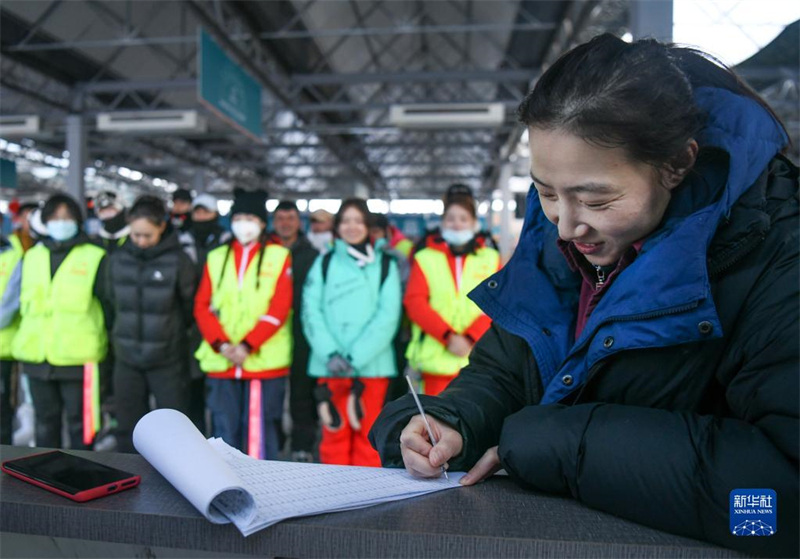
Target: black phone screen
66, 472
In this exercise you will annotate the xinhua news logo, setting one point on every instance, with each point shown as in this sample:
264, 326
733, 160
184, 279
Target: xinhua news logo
753, 512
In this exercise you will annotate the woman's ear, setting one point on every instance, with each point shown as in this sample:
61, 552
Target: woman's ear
672, 175
162, 227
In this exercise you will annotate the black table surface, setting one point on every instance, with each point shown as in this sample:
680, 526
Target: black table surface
493, 519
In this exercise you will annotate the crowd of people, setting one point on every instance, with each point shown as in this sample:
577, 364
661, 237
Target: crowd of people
283, 343
638, 353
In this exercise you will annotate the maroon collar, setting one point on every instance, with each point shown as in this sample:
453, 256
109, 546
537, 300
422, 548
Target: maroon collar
578, 263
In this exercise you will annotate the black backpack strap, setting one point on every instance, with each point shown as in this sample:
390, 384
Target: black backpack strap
326, 263
386, 261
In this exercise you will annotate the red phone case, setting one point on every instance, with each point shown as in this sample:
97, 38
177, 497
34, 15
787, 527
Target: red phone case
81, 496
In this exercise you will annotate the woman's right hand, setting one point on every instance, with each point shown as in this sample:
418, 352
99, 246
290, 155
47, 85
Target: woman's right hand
459, 345
421, 459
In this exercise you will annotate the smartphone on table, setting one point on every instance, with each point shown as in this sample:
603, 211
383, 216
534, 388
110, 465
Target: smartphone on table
70, 476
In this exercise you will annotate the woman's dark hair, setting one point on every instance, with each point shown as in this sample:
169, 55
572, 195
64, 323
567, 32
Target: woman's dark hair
380, 221
636, 96
57, 200
150, 208
466, 202
358, 203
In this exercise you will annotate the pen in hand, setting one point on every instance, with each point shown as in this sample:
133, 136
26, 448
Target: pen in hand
425, 419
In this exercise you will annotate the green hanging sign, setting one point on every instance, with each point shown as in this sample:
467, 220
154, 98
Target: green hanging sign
226, 89
8, 173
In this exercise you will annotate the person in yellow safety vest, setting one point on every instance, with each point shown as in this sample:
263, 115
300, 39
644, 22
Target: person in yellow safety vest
242, 308
10, 254
24, 236
445, 323
61, 339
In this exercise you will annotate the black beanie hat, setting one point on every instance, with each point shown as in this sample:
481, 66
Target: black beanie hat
182, 194
250, 202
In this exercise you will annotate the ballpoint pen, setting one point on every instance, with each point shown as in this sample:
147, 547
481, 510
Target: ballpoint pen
425, 419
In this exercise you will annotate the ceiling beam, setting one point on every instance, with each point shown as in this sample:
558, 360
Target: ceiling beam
281, 35
489, 76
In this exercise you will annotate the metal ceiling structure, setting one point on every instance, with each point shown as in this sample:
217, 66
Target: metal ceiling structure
329, 73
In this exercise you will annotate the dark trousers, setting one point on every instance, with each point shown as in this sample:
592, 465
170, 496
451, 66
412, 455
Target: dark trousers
51, 398
197, 384
132, 388
197, 403
7, 400
303, 409
228, 400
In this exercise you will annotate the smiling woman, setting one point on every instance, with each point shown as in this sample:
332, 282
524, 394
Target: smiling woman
351, 311
600, 200
644, 343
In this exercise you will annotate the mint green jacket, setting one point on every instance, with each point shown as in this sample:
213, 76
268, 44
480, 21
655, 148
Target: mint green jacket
352, 313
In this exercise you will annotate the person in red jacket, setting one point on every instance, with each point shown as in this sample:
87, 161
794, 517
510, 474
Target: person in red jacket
445, 324
242, 310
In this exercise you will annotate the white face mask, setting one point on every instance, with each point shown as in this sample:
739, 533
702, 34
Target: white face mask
62, 229
320, 241
246, 231
457, 238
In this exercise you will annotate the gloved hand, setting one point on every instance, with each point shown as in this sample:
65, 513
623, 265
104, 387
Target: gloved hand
355, 405
338, 366
327, 411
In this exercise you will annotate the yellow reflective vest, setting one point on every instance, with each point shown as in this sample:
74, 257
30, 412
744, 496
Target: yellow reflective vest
61, 321
239, 310
404, 246
424, 352
8, 262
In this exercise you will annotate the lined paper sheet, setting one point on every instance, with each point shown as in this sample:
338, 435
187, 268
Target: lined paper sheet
225, 484
288, 489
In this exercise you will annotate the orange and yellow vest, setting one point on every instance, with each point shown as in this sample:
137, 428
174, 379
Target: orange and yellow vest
424, 352
240, 309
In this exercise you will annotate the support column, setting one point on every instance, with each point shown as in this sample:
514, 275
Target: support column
505, 213
199, 182
76, 146
651, 18
360, 190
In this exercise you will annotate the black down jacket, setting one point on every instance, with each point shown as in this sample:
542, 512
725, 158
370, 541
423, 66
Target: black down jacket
153, 294
657, 434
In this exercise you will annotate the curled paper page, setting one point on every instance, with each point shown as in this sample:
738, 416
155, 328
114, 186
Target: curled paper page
226, 485
172, 444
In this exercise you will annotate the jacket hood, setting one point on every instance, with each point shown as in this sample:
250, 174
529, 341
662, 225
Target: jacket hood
169, 242
302, 243
340, 246
537, 285
66, 246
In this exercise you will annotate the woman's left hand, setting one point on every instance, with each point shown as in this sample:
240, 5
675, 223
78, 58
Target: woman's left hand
239, 355
483, 468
